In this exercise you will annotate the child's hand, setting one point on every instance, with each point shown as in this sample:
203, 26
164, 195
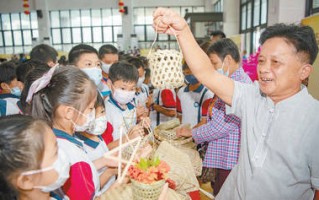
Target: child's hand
141, 111
168, 21
144, 152
145, 122
184, 131
136, 131
149, 100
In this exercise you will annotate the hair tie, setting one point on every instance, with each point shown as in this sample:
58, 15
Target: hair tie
40, 83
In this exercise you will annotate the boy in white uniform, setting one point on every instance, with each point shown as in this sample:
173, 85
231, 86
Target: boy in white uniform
11, 90
120, 106
192, 100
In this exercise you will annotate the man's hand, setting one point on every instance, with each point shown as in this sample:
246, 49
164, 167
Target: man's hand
184, 131
168, 21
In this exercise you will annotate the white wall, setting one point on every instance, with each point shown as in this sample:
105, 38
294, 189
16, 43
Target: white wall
286, 11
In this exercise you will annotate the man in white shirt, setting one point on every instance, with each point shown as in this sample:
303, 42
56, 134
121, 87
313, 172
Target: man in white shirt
280, 123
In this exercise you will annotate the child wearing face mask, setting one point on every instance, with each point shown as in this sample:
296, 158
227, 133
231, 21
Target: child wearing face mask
122, 80
94, 144
11, 89
142, 90
31, 164
108, 55
192, 100
86, 58
65, 98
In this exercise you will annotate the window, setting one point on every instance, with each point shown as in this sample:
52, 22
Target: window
144, 31
90, 26
17, 31
253, 18
312, 7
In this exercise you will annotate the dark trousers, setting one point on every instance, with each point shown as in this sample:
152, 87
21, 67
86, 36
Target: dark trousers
221, 175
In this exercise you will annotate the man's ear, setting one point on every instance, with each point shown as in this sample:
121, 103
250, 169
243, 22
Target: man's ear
24, 182
305, 71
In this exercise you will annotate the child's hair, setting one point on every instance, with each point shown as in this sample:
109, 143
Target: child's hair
25, 68
78, 50
21, 148
224, 47
136, 62
68, 86
123, 71
44, 53
99, 101
35, 74
8, 72
205, 45
107, 49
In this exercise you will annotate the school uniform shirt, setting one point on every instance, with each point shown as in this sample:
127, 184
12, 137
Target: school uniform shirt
141, 97
103, 88
9, 104
56, 196
193, 105
96, 150
119, 117
165, 98
84, 181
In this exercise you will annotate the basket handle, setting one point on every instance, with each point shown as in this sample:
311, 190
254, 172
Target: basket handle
155, 39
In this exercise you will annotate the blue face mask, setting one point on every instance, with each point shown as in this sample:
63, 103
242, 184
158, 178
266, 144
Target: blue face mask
222, 72
95, 74
191, 79
16, 91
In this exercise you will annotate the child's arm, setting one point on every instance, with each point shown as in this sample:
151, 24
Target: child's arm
167, 21
169, 104
106, 175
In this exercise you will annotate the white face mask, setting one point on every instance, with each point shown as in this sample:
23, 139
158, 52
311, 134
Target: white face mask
61, 166
106, 67
95, 74
222, 72
89, 118
140, 81
98, 126
123, 96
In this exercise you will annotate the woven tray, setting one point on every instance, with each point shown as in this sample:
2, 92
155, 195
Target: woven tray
167, 132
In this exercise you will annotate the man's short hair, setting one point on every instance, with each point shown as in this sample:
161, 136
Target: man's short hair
301, 37
44, 53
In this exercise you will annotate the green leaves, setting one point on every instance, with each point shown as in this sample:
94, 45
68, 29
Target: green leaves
144, 164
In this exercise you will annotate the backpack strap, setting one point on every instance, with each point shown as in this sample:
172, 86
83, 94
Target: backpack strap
200, 105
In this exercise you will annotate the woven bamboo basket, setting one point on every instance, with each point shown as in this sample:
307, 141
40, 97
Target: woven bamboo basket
167, 132
166, 69
142, 191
